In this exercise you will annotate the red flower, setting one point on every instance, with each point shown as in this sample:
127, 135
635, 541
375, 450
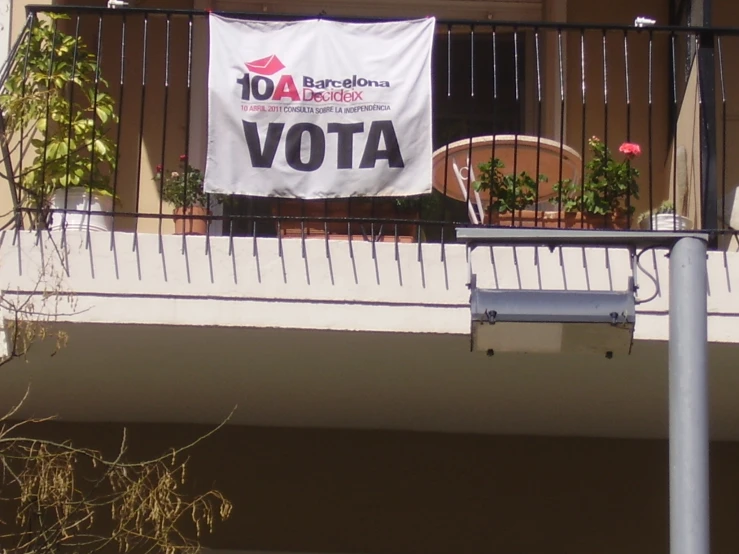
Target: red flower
159, 168
630, 150
183, 157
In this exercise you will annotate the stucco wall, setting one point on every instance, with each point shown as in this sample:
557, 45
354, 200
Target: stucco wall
727, 97
684, 159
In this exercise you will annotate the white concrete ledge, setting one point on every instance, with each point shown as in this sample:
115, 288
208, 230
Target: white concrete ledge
312, 284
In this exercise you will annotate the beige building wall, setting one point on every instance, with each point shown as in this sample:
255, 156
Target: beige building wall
152, 105
18, 17
684, 160
137, 174
726, 13
402, 493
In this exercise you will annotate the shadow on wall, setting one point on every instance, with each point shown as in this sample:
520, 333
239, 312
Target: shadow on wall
337, 271
393, 492
123, 261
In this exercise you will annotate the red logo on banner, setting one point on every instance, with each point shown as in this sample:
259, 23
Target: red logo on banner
265, 66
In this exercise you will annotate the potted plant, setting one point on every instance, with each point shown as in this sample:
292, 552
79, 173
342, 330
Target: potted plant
56, 96
603, 199
304, 217
664, 218
511, 196
183, 189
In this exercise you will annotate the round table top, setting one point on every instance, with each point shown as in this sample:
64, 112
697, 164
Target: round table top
520, 152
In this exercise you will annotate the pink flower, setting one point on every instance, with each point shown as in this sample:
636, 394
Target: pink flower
159, 168
183, 157
630, 150
175, 175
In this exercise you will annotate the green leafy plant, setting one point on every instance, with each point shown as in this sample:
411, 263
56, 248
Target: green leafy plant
607, 183
507, 192
429, 205
183, 188
55, 96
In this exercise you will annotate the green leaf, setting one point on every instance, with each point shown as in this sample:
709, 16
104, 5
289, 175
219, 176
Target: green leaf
102, 114
100, 147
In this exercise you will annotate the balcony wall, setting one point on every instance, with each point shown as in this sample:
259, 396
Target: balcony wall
325, 285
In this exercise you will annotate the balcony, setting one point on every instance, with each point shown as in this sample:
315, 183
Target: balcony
530, 97
551, 104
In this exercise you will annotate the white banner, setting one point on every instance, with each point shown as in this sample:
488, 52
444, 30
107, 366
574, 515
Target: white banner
319, 109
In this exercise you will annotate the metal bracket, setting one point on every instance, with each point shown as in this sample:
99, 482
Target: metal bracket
553, 238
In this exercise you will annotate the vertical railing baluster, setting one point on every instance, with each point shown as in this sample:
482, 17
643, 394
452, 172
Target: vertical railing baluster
98, 62
650, 121
70, 130
521, 120
604, 48
41, 197
560, 66
470, 169
723, 215
584, 139
627, 85
538, 123
495, 115
188, 117
142, 114
449, 61
121, 97
163, 158
445, 199
472, 61
675, 114
21, 142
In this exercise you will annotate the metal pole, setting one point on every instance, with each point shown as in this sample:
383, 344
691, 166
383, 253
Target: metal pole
688, 376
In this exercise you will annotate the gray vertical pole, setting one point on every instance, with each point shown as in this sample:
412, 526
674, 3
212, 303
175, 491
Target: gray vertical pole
688, 360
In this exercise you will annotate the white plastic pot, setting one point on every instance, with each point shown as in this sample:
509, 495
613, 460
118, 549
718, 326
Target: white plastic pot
78, 198
671, 222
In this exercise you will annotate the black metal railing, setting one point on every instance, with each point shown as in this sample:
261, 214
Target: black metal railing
533, 96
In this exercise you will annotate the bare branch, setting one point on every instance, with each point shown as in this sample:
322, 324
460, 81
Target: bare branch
66, 496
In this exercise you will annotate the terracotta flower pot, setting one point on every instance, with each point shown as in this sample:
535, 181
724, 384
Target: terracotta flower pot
307, 211
195, 225
553, 220
577, 220
524, 218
